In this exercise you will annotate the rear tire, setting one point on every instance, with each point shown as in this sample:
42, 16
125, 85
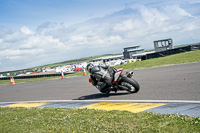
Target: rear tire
131, 84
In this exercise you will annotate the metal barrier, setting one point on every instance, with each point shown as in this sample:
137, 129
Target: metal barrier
195, 47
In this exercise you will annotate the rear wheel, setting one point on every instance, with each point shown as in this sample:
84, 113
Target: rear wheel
131, 84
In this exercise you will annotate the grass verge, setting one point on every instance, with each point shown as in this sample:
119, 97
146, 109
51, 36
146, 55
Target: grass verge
40, 79
43, 120
187, 57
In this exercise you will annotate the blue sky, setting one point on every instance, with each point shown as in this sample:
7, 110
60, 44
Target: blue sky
35, 12
38, 32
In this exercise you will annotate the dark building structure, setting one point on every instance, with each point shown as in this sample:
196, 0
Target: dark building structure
163, 45
129, 51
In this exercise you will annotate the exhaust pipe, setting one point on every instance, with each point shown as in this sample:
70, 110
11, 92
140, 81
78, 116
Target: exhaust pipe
130, 74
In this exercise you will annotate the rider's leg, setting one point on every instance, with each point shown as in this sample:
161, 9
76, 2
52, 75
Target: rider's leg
101, 86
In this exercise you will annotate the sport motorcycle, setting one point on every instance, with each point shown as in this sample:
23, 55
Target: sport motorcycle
123, 82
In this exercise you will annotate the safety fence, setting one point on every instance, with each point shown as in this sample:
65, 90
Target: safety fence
172, 51
34, 76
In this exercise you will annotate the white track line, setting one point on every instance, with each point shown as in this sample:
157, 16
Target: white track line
88, 101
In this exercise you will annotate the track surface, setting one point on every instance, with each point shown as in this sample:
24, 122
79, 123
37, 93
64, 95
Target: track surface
176, 82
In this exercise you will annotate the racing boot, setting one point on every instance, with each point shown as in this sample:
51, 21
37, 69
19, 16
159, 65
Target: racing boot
114, 88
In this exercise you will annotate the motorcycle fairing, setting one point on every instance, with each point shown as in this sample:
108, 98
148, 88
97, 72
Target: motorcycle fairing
117, 75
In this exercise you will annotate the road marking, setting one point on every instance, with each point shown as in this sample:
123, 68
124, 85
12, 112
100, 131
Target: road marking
187, 108
26, 105
132, 107
89, 101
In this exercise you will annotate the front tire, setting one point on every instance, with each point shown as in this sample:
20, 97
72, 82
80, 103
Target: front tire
131, 84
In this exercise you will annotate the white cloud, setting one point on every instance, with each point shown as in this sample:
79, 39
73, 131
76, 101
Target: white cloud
78, 39
12, 53
115, 39
191, 27
126, 25
26, 30
13, 57
176, 10
138, 24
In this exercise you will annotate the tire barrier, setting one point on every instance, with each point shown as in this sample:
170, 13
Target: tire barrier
34, 76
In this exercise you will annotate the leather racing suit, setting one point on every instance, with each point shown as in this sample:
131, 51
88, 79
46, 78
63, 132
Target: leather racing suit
102, 77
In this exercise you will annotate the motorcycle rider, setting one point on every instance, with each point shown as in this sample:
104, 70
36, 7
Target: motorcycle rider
102, 77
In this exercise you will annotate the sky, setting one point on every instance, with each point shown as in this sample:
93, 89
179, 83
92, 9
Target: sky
40, 32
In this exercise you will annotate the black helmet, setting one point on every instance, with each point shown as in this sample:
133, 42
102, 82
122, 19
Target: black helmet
89, 67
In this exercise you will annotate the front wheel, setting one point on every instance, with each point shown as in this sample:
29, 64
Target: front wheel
131, 84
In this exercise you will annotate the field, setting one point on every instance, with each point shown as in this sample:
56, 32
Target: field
43, 120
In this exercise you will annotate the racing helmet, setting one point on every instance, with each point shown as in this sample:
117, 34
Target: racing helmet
89, 67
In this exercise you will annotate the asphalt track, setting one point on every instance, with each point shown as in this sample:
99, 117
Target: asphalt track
174, 82
171, 89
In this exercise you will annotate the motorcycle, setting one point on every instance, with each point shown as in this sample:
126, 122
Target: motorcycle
123, 82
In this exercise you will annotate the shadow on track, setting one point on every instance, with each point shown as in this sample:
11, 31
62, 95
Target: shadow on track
99, 95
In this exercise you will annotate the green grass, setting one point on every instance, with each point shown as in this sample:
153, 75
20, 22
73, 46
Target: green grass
186, 57
40, 79
37, 120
